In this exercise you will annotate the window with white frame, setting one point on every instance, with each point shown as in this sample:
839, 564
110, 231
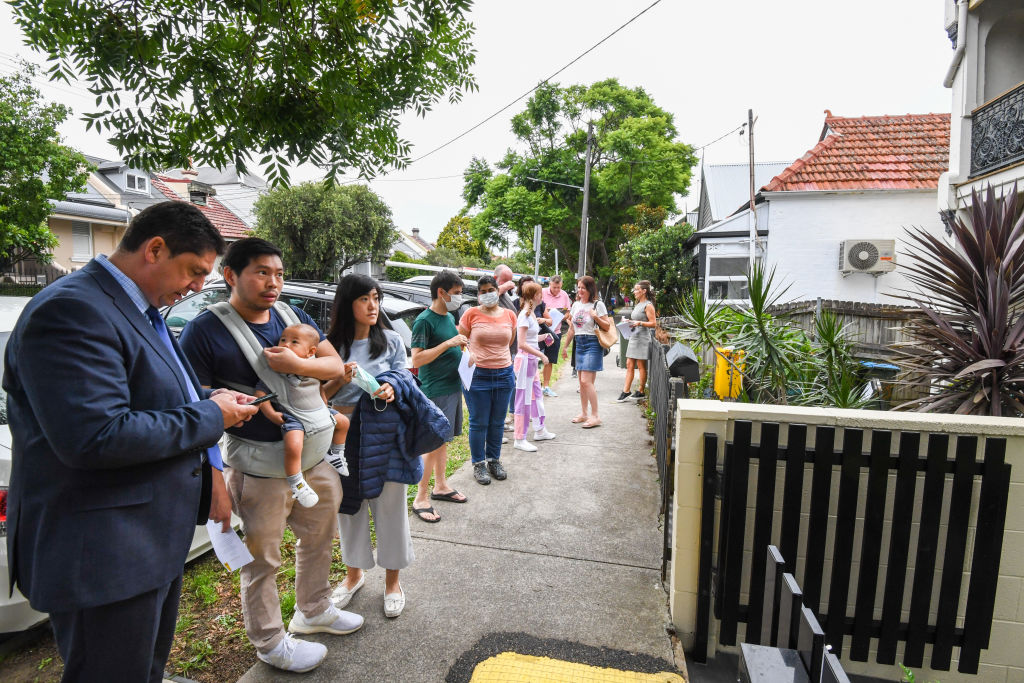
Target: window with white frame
725, 276
81, 241
136, 183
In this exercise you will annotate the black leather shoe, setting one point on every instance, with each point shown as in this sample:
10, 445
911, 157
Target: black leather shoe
480, 473
497, 471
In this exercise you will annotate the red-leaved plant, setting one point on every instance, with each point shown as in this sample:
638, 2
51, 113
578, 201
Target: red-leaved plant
966, 348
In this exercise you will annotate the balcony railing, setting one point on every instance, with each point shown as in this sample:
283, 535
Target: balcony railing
997, 133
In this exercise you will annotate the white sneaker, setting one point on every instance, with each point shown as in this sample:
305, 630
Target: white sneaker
504, 439
524, 445
548, 391
305, 494
333, 620
338, 462
341, 595
509, 426
543, 435
394, 603
292, 654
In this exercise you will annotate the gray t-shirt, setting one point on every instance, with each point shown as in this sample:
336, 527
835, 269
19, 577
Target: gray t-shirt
393, 358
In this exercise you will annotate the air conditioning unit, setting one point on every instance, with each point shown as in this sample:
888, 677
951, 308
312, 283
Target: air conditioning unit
867, 256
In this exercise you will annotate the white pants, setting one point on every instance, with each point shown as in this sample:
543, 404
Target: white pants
391, 522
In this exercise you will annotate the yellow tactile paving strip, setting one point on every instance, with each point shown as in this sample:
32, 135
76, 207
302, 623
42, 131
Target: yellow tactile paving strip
512, 667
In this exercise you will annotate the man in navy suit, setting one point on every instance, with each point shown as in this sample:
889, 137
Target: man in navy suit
111, 436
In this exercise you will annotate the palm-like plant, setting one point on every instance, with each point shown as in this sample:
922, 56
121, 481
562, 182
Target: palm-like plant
966, 348
772, 345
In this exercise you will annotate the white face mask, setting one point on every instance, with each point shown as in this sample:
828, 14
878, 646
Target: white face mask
453, 304
489, 299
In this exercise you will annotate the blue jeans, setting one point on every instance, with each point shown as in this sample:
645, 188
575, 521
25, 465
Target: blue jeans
487, 399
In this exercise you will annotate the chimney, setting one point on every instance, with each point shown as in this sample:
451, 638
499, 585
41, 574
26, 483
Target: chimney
416, 233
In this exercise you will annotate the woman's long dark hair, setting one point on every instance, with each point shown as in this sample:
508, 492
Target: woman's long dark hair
343, 322
648, 292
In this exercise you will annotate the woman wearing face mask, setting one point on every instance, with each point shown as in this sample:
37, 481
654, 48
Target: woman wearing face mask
489, 329
586, 315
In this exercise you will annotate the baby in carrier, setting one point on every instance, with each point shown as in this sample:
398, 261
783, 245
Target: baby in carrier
303, 340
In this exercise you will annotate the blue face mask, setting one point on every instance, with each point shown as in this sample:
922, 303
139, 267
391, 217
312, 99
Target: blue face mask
489, 299
365, 381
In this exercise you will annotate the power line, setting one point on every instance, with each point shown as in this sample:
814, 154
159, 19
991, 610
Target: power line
578, 58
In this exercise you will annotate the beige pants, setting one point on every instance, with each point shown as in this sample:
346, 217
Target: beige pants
265, 506
391, 523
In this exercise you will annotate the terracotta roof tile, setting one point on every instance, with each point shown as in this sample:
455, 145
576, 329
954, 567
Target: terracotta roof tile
230, 226
872, 153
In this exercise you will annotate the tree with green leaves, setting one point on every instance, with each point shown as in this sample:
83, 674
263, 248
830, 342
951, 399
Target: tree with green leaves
324, 229
34, 169
456, 236
445, 256
228, 82
636, 159
654, 251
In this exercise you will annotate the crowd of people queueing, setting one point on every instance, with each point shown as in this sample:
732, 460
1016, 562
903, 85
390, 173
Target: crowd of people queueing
344, 430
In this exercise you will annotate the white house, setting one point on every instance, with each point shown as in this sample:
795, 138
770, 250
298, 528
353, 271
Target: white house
986, 75
833, 222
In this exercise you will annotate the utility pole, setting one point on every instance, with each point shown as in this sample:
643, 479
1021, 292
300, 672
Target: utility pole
585, 221
752, 219
536, 250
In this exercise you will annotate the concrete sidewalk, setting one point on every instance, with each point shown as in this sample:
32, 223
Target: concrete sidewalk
563, 559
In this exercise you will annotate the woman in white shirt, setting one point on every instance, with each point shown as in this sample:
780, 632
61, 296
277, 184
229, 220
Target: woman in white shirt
529, 399
585, 317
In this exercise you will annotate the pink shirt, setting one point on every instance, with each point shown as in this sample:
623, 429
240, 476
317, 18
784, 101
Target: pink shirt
489, 337
552, 301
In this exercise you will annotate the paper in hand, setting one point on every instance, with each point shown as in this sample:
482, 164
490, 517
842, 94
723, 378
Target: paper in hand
466, 371
229, 548
625, 330
556, 318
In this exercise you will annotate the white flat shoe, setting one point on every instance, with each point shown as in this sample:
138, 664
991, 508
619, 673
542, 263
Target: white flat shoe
394, 603
543, 435
341, 595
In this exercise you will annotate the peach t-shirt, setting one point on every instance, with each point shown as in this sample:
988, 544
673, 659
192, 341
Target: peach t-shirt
489, 337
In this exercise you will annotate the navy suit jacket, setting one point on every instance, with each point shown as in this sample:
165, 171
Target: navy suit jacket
106, 474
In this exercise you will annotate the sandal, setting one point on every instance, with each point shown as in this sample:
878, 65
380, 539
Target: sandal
591, 423
420, 512
578, 419
452, 497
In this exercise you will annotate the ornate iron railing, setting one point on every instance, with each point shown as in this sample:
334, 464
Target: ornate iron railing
997, 133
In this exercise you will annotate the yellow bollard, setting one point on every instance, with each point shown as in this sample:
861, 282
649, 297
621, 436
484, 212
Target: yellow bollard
728, 380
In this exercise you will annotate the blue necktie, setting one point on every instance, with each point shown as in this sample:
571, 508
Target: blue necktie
213, 452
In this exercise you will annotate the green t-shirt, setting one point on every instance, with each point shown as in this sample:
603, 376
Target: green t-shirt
441, 376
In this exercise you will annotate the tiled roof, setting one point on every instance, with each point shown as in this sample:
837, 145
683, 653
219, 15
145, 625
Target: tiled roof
230, 226
872, 153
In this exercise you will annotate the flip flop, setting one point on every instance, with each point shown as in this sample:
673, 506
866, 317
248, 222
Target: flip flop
450, 497
419, 512
590, 425
578, 419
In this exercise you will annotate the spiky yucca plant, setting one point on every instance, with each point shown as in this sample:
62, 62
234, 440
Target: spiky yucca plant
966, 349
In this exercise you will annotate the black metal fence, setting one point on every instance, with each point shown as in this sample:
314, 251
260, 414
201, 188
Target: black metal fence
946, 494
663, 392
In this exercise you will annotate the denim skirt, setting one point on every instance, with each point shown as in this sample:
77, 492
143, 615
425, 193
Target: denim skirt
589, 353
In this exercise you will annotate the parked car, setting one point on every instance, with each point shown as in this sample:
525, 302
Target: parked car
314, 298
468, 285
15, 612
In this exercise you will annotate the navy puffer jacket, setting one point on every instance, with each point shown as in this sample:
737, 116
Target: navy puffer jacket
385, 445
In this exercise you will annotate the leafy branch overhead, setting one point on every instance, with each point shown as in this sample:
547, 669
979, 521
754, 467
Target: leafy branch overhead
231, 81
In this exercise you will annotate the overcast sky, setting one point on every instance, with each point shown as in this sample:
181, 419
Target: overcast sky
706, 63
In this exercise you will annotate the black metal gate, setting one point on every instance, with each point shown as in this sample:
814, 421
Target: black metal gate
888, 455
